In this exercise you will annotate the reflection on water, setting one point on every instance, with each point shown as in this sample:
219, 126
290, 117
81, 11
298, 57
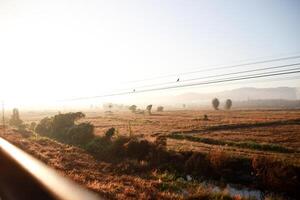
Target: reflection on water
233, 190
242, 191
237, 190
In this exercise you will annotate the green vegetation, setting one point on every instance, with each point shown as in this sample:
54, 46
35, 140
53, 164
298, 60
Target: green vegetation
63, 128
110, 132
80, 134
252, 125
107, 148
246, 144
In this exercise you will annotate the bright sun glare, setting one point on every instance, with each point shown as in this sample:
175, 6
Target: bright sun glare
63, 49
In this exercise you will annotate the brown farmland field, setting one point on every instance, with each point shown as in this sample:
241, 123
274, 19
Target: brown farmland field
280, 127
230, 141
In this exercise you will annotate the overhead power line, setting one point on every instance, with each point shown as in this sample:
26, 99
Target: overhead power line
229, 79
217, 68
220, 81
216, 76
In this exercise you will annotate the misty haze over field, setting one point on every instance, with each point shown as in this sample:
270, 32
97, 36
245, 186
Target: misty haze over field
245, 97
242, 97
247, 93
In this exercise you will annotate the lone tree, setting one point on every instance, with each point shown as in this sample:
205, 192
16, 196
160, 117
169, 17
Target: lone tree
15, 118
160, 109
228, 104
149, 107
216, 103
133, 108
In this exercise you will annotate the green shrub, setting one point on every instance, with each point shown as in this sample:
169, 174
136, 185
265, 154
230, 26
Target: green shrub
106, 148
63, 128
45, 127
198, 164
81, 133
62, 122
110, 132
117, 147
99, 146
120, 147
138, 149
276, 174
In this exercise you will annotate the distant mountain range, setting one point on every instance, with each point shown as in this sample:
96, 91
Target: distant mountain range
241, 94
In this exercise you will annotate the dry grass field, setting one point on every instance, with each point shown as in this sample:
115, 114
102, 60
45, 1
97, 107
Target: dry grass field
280, 128
232, 143
185, 121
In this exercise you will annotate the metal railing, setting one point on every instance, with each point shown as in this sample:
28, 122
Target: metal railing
24, 177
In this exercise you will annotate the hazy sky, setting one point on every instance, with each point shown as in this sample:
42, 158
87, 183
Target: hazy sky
59, 49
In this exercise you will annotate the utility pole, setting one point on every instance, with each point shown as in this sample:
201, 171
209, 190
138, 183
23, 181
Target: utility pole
3, 119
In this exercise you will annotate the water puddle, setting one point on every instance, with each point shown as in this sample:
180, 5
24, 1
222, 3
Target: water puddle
237, 190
